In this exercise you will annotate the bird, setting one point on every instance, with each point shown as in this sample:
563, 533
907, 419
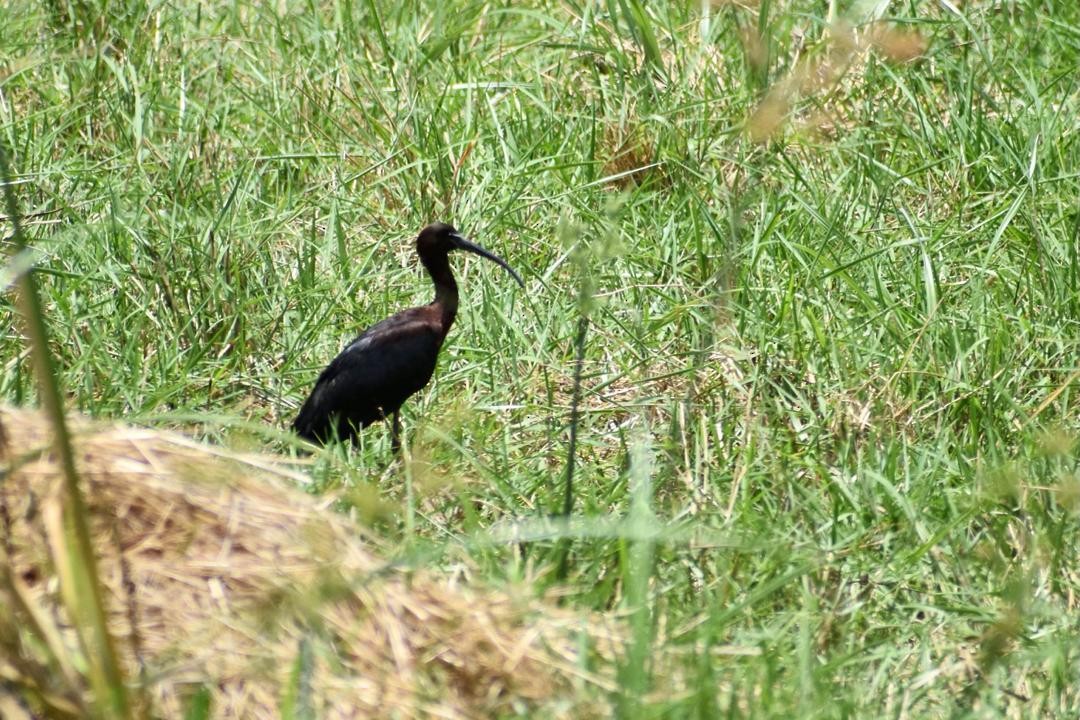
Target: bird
393, 359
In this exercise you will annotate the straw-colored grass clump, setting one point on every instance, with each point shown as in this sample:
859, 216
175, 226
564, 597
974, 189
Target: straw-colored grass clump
218, 577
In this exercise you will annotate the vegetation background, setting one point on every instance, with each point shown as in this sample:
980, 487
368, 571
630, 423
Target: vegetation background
828, 254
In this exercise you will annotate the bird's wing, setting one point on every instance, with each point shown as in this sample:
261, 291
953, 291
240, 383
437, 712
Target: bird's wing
373, 375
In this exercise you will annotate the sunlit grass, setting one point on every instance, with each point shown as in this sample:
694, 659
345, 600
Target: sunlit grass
834, 273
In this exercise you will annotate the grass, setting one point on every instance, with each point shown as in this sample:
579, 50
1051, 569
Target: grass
829, 378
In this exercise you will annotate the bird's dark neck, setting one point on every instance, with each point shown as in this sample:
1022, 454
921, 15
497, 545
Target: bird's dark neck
446, 294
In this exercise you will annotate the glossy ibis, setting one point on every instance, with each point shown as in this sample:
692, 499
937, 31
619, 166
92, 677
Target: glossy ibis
392, 359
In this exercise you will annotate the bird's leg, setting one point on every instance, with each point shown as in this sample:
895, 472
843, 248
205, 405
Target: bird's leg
395, 434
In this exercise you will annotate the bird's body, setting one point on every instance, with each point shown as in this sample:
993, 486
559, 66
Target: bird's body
361, 386
393, 359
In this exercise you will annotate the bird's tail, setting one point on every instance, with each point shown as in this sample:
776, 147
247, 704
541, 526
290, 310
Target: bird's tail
307, 423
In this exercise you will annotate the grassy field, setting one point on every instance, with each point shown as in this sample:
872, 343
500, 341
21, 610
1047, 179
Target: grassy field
826, 463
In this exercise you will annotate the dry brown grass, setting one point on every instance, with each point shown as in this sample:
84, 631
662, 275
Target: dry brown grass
216, 571
630, 158
829, 73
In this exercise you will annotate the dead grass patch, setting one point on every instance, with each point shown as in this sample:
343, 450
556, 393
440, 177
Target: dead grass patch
829, 72
217, 573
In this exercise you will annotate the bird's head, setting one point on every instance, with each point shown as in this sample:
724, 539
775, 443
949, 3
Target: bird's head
439, 239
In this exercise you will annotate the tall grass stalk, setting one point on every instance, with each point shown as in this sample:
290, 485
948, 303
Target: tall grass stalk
73, 552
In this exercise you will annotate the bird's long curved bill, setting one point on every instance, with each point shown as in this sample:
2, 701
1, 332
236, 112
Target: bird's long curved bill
463, 243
